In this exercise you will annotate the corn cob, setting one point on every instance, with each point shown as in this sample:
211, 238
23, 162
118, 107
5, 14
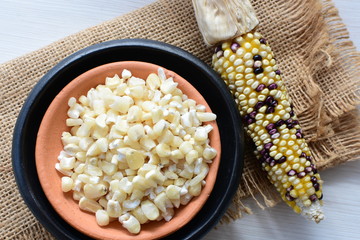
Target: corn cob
246, 63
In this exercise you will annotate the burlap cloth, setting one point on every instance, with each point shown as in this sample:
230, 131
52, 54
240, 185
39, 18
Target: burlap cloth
319, 63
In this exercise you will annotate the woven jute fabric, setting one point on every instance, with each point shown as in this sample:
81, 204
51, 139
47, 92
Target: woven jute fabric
319, 63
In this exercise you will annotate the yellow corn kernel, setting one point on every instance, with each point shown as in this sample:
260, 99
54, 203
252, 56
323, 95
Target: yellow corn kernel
191, 156
94, 191
139, 215
153, 81
163, 150
113, 208
134, 159
130, 223
89, 205
102, 218
156, 176
67, 184
108, 168
160, 201
195, 190
150, 210
173, 192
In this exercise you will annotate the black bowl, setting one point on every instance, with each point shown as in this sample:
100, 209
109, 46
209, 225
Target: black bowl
201, 76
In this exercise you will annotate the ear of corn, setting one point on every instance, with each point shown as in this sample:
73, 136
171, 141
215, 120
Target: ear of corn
248, 67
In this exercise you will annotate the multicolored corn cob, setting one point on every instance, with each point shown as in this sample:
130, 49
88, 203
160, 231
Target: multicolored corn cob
247, 65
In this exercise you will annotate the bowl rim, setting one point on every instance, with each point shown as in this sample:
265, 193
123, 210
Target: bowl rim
21, 132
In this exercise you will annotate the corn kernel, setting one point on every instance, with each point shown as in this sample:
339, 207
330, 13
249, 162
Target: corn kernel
130, 223
102, 218
150, 210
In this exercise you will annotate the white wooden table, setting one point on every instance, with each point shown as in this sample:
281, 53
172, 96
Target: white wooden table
28, 25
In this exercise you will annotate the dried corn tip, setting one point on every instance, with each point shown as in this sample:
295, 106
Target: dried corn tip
135, 149
224, 19
249, 69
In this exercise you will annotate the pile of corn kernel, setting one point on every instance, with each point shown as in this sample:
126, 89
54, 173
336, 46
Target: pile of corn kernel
136, 150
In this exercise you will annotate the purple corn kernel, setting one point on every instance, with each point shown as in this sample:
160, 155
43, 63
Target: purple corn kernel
290, 120
316, 186
301, 174
308, 169
218, 48
289, 197
279, 123
292, 172
282, 159
289, 123
263, 151
270, 110
257, 57
290, 188
272, 162
258, 70
303, 155
267, 146
309, 158
321, 197
298, 135
292, 113
272, 131
262, 40
250, 121
313, 198
277, 72
269, 100
272, 86
268, 160
313, 179
274, 103
252, 114
270, 126
234, 46
260, 87
246, 118
258, 105
296, 122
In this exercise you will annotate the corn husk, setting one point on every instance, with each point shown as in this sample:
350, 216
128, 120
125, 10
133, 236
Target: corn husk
220, 20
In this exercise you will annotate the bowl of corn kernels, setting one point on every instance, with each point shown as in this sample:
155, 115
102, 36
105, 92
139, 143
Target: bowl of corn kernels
132, 150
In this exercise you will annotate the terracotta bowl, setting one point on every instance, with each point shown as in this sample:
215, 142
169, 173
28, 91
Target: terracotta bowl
48, 146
